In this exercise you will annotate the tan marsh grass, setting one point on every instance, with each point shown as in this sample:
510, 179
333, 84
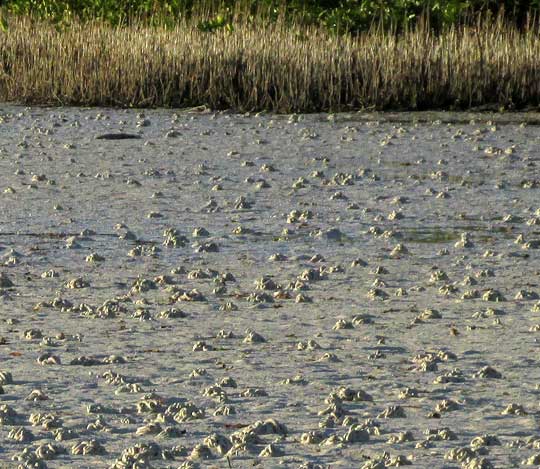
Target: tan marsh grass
268, 66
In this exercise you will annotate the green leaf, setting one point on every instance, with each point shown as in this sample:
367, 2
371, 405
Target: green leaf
3, 24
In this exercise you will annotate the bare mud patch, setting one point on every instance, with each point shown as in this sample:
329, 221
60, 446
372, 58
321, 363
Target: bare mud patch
212, 290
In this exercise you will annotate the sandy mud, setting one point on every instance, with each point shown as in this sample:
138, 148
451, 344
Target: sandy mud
216, 290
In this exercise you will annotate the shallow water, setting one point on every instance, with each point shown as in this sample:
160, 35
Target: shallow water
444, 179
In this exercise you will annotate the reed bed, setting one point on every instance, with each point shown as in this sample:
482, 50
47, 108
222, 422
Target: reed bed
269, 66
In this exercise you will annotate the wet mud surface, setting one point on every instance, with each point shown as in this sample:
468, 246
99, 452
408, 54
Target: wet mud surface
295, 291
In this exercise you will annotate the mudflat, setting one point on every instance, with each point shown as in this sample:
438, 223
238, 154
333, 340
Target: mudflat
296, 291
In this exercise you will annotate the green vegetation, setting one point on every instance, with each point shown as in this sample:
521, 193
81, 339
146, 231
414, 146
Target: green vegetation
336, 15
284, 56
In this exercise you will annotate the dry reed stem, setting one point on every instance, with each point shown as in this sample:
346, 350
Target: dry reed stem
268, 67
